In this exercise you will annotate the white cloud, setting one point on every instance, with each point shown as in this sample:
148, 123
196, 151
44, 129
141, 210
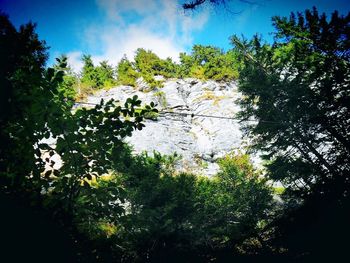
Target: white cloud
157, 25
115, 8
74, 60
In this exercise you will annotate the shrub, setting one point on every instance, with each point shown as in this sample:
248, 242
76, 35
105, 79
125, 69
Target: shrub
126, 74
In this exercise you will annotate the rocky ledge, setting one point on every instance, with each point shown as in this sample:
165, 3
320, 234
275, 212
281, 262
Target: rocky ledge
193, 121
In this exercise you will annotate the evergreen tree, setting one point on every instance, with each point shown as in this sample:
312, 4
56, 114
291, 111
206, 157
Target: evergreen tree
87, 140
208, 62
146, 62
297, 90
106, 74
126, 74
89, 74
69, 86
148, 65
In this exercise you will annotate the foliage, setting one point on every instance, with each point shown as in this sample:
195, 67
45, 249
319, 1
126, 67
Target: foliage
208, 62
147, 112
100, 206
106, 74
205, 62
194, 4
152, 115
122, 207
175, 214
209, 95
69, 86
152, 82
36, 108
149, 64
87, 151
168, 68
115, 206
146, 62
98, 77
89, 76
297, 90
239, 197
127, 75
26, 99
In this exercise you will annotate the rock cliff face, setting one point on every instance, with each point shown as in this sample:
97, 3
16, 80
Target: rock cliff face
184, 124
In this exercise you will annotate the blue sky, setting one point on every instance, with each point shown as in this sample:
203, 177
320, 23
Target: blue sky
108, 29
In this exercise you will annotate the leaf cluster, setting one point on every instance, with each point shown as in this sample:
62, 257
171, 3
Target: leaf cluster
297, 89
96, 77
296, 98
173, 214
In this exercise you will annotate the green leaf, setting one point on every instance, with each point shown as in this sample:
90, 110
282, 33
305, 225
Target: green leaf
50, 73
38, 152
140, 126
47, 135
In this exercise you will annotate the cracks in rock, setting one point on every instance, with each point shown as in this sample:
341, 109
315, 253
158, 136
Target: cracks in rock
187, 134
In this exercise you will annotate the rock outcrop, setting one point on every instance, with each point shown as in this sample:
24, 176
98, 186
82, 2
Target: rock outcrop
186, 123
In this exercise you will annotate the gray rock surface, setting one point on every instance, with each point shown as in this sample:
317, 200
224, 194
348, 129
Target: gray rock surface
199, 139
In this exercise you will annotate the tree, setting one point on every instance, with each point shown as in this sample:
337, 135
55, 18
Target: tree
28, 97
233, 205
126, 74
105, 73
168, 68
36, 108
24, 105
146, 62
186, 216
148, 65
69, 86
186, 62
208, 62
297, 91
89, 75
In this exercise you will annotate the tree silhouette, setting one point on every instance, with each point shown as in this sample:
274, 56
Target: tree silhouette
297, 89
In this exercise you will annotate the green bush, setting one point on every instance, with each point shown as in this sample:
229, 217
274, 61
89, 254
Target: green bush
171, 212
105, 75
126, 74
208, 62
152, 115
69, 85
89, 76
